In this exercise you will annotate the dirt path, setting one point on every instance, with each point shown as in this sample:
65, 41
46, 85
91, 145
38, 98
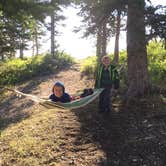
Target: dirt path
71, 78
128, 136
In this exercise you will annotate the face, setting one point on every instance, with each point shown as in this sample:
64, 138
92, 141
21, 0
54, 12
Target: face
105, 61
58, 91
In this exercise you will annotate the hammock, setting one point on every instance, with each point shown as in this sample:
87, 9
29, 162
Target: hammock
78, 103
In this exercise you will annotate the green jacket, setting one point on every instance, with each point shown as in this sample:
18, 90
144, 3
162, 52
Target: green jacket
113, 75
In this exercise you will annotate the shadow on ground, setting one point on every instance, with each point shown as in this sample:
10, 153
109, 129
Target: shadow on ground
131, 136
12, 110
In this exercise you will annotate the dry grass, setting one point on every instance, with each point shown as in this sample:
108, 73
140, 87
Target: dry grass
33, 141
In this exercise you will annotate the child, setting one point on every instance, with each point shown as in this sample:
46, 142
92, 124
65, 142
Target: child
107, 78
59, 94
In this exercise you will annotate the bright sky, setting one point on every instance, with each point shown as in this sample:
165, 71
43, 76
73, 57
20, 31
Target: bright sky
76, 46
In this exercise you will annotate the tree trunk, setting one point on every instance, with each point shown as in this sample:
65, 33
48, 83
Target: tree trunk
52, 35
2, 57
1, 54
36, 42
116, 49
104, 37
138, 82
98, 44
21, 49
33, 47
22, 42
12, 53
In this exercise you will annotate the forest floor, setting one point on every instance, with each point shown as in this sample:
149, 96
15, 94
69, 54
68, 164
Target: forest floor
133, 134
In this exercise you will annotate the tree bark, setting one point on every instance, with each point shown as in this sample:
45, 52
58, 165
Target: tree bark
52, 35
138, 81
36, 42
2, 56
33, 47
116, 49
22, 43
21, 49
104, 37
98, 44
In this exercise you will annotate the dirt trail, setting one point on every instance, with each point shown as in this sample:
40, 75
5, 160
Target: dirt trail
71, 78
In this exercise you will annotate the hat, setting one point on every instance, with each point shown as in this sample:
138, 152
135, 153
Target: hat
58, 83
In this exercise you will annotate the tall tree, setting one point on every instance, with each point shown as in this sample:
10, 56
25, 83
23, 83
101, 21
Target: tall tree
99, 20
56, 16
8, 37
36, 31
104, 36
138, 81
98, 42
14, 23
155, 23
33, 9
53, 34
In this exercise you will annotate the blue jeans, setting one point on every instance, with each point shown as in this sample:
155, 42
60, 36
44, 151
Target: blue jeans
104, 100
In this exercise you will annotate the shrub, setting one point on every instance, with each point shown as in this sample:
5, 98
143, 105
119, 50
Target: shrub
17, 70
157, 63
89, 65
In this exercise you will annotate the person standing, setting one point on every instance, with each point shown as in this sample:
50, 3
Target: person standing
107, 78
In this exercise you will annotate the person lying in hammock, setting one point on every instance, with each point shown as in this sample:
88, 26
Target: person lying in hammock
59, 94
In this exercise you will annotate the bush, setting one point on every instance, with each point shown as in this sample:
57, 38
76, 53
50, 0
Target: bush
157, 63
88, 66
17, 70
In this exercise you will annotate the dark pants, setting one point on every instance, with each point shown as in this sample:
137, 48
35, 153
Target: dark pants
104, 100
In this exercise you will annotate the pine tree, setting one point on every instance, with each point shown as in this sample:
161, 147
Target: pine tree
155, 21
138, 81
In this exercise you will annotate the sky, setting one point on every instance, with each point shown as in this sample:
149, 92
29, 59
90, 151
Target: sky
73, 44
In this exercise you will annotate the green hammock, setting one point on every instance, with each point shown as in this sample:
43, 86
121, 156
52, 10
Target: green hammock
78, 103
